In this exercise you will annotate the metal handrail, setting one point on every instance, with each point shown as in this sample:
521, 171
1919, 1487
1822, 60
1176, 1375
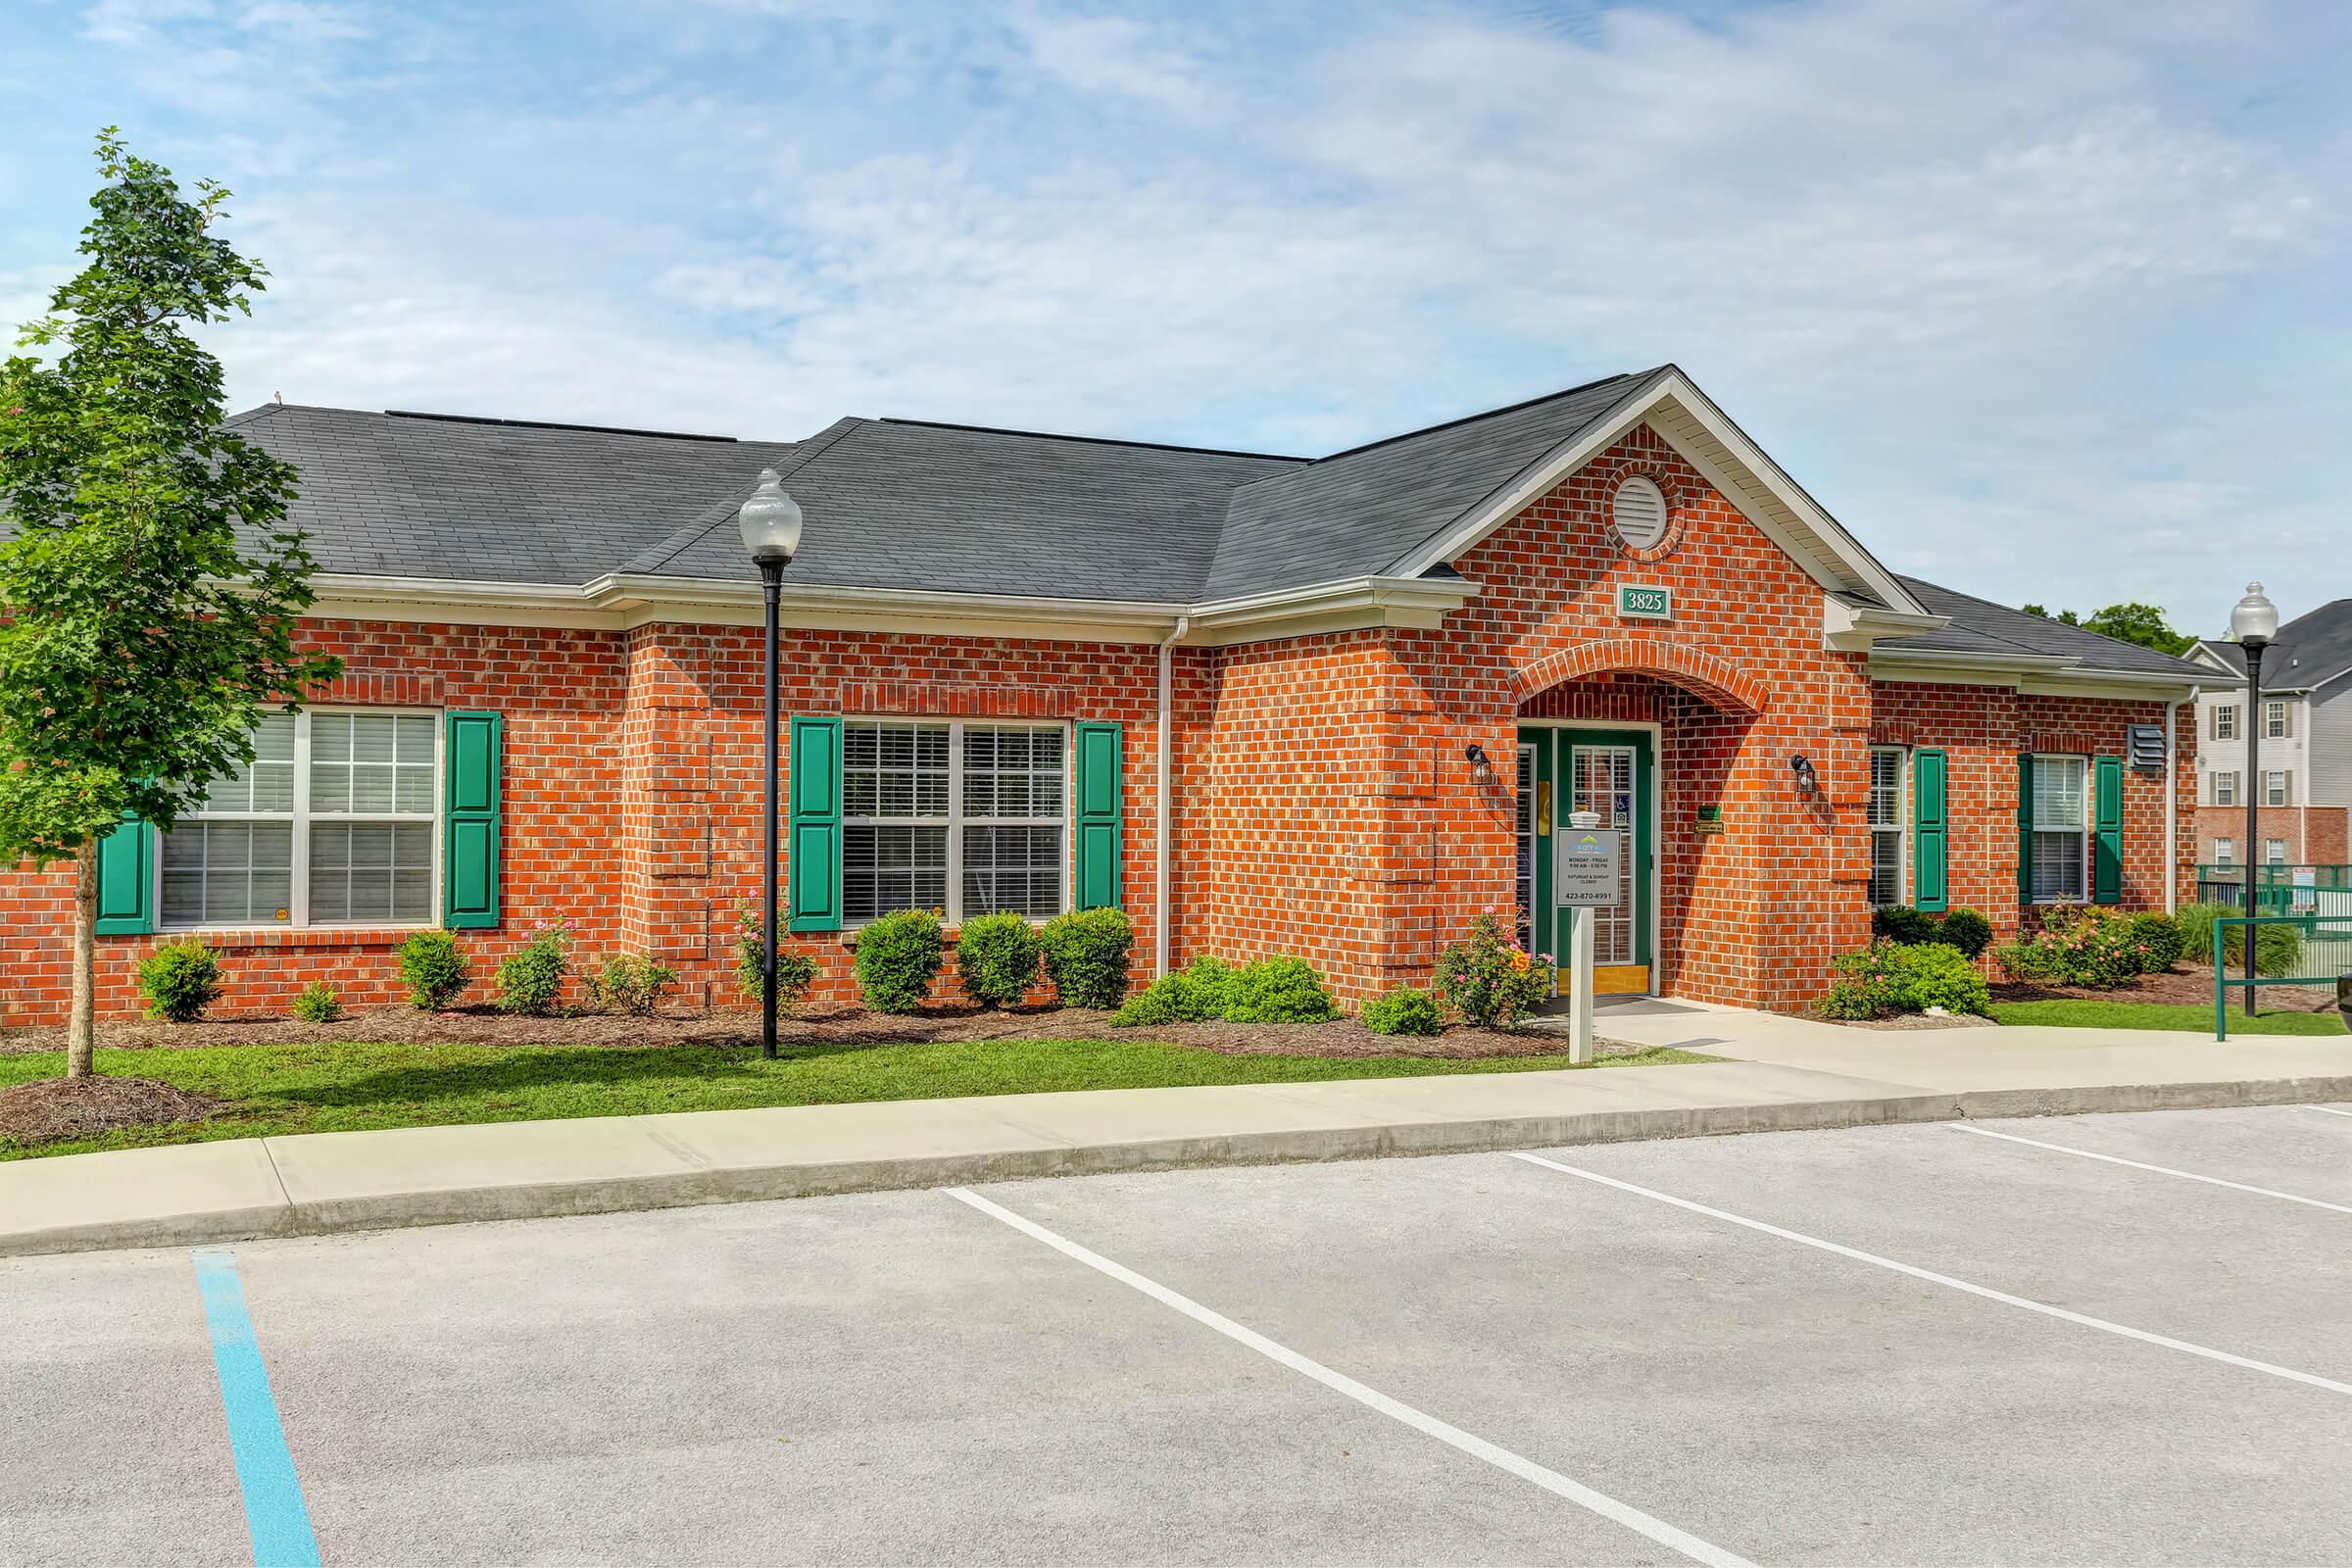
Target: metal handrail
2223, 979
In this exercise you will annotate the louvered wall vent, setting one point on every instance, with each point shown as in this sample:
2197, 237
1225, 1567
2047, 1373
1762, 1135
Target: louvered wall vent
1640, 513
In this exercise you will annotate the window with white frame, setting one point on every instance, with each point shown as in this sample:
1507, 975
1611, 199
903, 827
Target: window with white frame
2225, 851
2277, 787
2274, 852
966, 818
2225, 722
2274, 724
2061, 829
2224, 787
1886, 825
332, 823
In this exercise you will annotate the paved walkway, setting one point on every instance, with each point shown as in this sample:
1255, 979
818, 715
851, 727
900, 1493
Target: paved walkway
1790, 1073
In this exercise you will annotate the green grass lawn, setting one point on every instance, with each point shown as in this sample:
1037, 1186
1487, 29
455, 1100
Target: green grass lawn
2182, 1017
340, 1088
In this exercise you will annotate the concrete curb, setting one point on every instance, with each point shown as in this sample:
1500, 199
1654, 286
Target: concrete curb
782, 1179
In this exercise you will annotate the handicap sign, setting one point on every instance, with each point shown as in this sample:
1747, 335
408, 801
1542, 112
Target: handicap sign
1587, 864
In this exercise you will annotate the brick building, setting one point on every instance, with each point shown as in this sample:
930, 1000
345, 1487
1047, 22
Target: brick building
2302, 785
1333, 708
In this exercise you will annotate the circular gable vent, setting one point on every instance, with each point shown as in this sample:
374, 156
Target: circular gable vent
1640, 513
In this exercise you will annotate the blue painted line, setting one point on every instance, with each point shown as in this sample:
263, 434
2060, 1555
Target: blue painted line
275, 1513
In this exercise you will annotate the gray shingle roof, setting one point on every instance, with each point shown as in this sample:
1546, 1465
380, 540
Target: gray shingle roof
898, 504
402, 495
2314, 647
1359, 512
910, 505
1980, 627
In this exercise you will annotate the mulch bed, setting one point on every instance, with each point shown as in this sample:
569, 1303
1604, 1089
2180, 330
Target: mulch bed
2189, 984
823, 1025
83, 1108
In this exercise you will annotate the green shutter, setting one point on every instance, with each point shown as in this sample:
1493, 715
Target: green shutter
1100, 788
470, 804
1931, 832
2025, 827
2107, 841
127, 879
813, 852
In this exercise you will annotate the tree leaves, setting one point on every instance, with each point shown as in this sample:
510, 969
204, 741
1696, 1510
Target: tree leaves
150, 584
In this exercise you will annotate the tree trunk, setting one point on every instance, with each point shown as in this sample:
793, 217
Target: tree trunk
81, 1025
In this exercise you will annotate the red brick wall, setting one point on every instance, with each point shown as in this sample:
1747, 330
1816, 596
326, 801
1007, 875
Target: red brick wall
561, 692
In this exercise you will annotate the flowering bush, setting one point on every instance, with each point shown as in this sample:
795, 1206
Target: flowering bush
1489, 979
2081, 944
796, 972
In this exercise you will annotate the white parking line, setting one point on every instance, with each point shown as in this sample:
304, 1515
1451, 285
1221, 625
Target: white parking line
1933, 1278
1552, 1481
2161, 1170
2328, 1111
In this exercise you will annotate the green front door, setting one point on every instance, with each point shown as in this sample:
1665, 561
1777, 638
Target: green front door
1611, 772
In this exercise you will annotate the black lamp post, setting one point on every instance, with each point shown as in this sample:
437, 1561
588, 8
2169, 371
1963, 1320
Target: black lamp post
772, 532
2254, 623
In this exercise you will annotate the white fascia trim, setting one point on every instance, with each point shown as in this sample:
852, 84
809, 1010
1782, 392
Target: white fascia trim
1677, 388
2029, 675
1855, 628
1346, 605
622, 602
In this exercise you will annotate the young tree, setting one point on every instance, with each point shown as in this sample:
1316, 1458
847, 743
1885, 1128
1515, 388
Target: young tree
148, 584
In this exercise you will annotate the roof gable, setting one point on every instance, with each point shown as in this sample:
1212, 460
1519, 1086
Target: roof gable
2310, 650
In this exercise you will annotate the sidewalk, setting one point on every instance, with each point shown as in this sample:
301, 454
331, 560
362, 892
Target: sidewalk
1792, 1073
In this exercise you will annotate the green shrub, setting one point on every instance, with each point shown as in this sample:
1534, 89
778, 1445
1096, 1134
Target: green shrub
796, 972
1968, 930
531, 980
898, 956
1086, 955
435, 967
2195, 923
1278, 989
1965, 929
1899, 922
1404, 1011
1891, 977
2028, 959
2160, 935
2278, 949
1200, 991
997, 958
318, 1004
179, 980
1489, 979
633, 983
1936, 974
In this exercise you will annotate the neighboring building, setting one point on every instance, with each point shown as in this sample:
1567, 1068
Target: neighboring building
1333, 708
2305, 758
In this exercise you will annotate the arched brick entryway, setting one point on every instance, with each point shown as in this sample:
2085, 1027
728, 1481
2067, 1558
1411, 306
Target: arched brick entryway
1715, 680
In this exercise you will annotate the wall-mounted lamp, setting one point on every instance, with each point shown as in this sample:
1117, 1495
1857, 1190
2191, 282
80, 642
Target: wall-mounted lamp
1481, 766
1808, 782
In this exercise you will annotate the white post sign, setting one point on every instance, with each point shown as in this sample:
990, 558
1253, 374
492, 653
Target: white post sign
1586, 864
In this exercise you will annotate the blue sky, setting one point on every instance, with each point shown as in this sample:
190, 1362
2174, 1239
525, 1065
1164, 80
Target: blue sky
2044, 302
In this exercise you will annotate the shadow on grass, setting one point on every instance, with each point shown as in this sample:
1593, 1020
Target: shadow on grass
524, 1073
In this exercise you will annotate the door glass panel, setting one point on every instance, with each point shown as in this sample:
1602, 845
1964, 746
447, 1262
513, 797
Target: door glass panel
1600, 779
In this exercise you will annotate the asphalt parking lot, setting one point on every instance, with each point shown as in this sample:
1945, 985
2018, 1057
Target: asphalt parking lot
1903, 1345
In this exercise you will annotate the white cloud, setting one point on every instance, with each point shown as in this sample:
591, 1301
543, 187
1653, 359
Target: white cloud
2004, 286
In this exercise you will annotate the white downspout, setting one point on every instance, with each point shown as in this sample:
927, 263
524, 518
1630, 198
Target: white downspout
1162, 937
2172, 809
